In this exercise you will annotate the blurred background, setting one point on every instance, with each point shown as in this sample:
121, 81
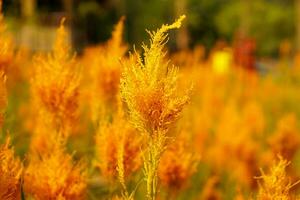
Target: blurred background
271, 27
237, 119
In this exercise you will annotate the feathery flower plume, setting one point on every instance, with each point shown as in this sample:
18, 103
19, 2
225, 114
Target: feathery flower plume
53, 175
177, 165
10, 173
118, 149
105, 72
276, 185
55, 83
148, 85
149, 88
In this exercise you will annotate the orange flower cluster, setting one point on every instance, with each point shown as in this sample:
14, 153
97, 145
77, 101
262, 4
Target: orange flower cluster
53, 175
104, 72
178, 163
55, 84
118, 147
140, 131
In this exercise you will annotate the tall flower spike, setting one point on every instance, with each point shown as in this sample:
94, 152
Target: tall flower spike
149, 88
118, 149
105, 72
148, 85
10, 173
55, 83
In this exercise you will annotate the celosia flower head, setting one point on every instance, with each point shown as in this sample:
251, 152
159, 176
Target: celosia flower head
56, 81
118, 148
148, 85
105, 71
177, 165
53, 175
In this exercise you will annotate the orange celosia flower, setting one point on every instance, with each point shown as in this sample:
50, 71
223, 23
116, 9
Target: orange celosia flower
148, 86
177, 164
285, 141
55, 83
240, 153
10, 173
53, 175
118, 148
276, 185
105, 71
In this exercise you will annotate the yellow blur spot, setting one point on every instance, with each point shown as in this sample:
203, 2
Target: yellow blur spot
221, 61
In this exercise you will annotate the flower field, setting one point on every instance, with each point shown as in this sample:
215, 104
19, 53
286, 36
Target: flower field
147, 124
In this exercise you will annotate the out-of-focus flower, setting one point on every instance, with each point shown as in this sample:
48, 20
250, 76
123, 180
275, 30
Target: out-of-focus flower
55, 84
10, 173
104, 72
53, 175
240, 152
118, 148
285, 141
177, 164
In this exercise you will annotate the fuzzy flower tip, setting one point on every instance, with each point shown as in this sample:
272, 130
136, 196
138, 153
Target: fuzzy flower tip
149, 85
55, 83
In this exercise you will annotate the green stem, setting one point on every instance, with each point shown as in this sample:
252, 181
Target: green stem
155, 149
